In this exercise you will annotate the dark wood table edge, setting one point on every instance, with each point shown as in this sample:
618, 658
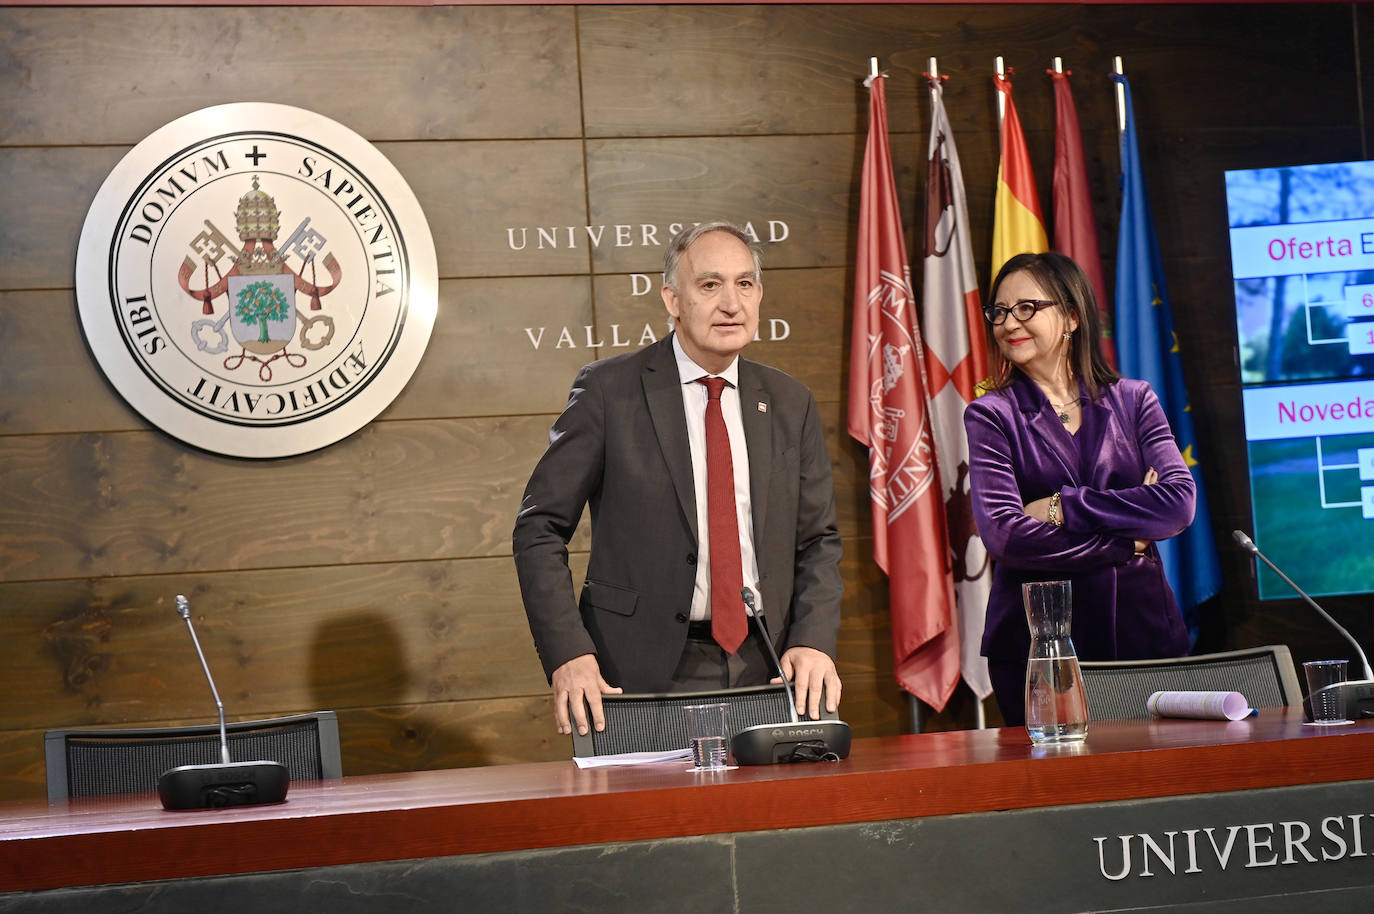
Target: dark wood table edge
554, 804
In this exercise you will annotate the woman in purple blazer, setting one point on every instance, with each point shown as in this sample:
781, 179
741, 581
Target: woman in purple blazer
1075, 474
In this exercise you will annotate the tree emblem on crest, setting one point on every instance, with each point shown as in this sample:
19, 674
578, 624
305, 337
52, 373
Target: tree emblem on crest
260, 303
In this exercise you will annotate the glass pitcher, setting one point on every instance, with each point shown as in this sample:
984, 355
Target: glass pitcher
1056, 703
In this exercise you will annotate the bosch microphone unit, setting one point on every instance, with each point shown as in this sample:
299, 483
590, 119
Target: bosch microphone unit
794, 741
1359, 694
226, 783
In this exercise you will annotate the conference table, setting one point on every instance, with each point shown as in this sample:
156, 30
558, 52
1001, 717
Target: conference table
1264, 813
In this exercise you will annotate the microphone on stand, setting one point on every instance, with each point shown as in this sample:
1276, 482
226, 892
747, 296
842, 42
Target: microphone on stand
1359, 694
797, 741
227, 783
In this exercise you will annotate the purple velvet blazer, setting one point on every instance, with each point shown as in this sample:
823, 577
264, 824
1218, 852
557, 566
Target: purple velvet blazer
1019, 451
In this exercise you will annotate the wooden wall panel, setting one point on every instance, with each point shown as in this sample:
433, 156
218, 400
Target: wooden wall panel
48, 381
113, 650
375, 576
865, 633
21, 765
103, 76
140, 503
1184, 61
483, 358
757, 76
485, 202
56, 187
813, 305
451, 734
849, 464
759, 64
803, 182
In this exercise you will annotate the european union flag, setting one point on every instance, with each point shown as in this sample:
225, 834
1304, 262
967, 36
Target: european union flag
1147, 348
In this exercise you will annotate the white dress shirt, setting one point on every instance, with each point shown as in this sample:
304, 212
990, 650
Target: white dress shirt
694, 403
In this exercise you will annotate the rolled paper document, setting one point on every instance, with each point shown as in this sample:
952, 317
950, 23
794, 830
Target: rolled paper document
1201, 705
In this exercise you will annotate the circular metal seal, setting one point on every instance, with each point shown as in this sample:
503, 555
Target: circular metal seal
256, 280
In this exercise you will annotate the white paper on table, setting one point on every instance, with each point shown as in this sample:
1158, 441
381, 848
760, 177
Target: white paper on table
632, 758
1201, 705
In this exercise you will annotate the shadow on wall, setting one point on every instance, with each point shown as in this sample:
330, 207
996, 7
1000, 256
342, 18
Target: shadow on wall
358, 668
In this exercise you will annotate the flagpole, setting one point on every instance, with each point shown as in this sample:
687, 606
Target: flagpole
1120, 97
912, 702
873, 67
933, 81
1001, 99
1058, 65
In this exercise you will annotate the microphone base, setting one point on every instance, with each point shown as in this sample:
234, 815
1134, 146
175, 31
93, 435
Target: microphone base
218, 786
1359, 699
803, 741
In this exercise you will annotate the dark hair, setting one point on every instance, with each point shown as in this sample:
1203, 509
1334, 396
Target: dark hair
1066, 283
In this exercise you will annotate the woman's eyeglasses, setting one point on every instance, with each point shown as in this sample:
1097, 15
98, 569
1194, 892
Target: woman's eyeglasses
1024, 310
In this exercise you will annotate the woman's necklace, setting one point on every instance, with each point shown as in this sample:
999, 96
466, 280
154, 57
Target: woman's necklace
1062, 409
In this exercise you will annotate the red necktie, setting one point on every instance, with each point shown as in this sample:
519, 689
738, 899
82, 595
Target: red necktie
728, 622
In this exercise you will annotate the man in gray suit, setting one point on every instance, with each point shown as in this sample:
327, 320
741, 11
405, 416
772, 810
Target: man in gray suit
630, 443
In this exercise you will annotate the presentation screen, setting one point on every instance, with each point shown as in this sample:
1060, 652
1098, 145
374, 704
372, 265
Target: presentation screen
1302, 258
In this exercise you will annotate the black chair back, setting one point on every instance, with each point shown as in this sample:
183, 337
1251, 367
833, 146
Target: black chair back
1118, 689
656, 723
96, 762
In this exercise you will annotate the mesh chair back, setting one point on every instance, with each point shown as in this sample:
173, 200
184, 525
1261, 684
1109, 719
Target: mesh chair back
87, 763
656, 723
1119, 688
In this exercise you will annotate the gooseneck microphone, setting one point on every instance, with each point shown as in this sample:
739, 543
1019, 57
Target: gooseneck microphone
1249, 546
184, 610
1359, 694
227, 783
797, 741
748, 596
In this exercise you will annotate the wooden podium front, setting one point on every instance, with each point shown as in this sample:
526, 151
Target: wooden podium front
1144, 813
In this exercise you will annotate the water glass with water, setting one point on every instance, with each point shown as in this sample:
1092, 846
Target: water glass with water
707, 732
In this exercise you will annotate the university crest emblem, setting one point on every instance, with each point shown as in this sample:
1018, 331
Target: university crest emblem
256, 280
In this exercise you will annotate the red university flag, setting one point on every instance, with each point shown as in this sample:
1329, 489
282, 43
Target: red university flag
1075, 230
889, 413
956, 360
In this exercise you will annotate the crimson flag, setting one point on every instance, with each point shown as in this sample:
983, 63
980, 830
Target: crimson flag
1075, 229
889, 412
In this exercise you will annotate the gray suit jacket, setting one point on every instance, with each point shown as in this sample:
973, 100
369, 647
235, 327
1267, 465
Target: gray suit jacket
621, 447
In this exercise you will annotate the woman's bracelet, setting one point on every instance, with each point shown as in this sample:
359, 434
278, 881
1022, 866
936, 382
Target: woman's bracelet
1053, 512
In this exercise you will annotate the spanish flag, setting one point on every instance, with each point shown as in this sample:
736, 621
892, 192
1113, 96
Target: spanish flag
1017, 225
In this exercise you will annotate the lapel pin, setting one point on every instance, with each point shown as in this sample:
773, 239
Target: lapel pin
763, 407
